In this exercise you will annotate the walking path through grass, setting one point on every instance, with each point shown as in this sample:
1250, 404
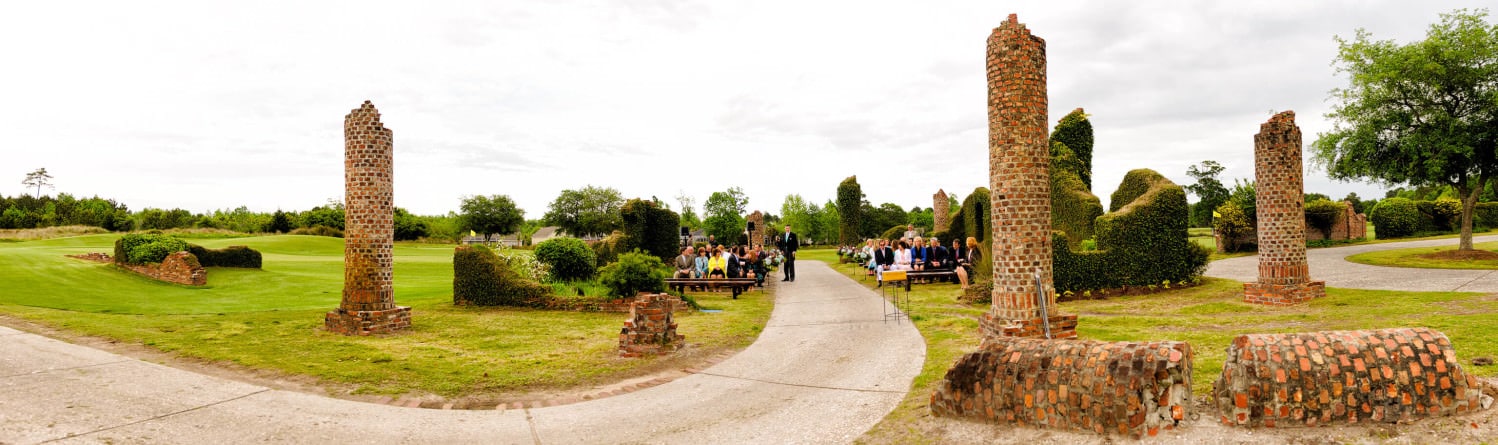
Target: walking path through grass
825, 369
1331, 265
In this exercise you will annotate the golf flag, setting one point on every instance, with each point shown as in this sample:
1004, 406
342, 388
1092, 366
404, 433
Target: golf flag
472, 233
1216, 215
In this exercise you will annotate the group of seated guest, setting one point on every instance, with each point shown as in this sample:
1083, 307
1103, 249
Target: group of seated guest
919, 254
722, 262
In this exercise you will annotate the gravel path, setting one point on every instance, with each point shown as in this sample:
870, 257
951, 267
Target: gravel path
825, 370
1330, 265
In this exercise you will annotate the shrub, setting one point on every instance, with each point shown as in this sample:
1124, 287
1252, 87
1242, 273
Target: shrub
1485, 215
482, 278
1321, 214
1143, 242
142, 248
1395, 218
1073, 206
1075, 132
893, 233
650, 228
319, 230
633, 273
1232, 225
607, 250
1446, 214
568, 258
977, 214
232, 256
849, 206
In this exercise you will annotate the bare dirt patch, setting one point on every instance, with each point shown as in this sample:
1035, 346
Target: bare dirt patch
1462, 255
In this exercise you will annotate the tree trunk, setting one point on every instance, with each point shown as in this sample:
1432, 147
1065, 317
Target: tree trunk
1469, 207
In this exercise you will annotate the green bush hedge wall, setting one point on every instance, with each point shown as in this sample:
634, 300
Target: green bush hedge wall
977, 215
1144, 241
1485, 215
482, 278
1073, 206
143, 248
1395, 218
232, 256
650, 228
633, 273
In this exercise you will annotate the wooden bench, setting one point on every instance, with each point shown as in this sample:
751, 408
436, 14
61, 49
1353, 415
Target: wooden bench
736, 285
933, 274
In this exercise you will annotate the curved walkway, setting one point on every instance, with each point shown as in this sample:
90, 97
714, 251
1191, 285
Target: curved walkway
825, 370
1330, 264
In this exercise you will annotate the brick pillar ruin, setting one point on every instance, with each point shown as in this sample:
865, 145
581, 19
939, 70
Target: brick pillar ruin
1283, 276
1019, 178
650, 329
368, 305
758, 234
939, 207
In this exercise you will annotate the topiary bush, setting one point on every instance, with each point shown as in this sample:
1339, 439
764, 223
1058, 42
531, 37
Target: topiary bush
1485, 214
849, 208
1073, 206
1075, 132
977, 214
143, 248
1143, 242
232, 256
1395, 218
633, 273
569, 258
482, 278
1232, 225
893, 233
1321, 214
650, 228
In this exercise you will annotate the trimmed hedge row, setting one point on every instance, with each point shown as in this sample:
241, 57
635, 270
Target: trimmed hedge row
1395, 218
972, 219
482, 278
650, 228
232, 256
143, 248
1073, 206
1144, 241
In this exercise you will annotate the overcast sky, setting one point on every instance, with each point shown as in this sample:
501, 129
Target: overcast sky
213, 105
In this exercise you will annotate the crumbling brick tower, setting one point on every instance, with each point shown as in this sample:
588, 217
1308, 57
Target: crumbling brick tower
1019, 177
939, 207
368, 305
1283, 276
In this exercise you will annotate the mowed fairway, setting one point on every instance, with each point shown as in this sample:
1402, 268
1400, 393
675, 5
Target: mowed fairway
272, 319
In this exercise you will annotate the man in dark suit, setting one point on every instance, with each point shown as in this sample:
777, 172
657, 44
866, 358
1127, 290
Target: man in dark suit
734, 270
884, 257
788, 244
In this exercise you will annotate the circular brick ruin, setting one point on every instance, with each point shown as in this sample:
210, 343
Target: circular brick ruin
368, 305
1318, 378
1284, 277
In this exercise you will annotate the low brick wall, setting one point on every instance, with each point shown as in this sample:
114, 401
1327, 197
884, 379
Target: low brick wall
180, 268
650, 329
385, 321
1125, 388
1309, 379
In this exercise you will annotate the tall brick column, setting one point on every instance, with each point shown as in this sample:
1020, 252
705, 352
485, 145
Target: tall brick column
939, 207
1019, 180
1283, 275
368, 305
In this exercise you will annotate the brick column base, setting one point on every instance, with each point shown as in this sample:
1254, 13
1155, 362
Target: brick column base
368, 322
1062, 326
1283, 294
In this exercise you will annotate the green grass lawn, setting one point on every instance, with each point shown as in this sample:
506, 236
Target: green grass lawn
1417, 257
272, 319
1208, 316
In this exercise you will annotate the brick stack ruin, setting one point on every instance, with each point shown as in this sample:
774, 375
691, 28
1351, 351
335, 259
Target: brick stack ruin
1320, 378
180, 267
758, 235
1284, 278
368, 305
1349, 225
940, 208
1110, 388
650, 329
1019, 179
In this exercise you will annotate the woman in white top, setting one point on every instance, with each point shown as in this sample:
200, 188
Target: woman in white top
902, 256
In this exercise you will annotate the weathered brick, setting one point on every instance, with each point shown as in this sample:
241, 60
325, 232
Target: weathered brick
650, 329
368, 305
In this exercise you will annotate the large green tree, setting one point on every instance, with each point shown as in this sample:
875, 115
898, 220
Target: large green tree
490, 214
725, 214
1421, 113
801, 216
849, 207
689, 218
1210, 192
586, 211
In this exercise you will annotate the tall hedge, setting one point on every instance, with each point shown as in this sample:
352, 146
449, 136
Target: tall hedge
977, 214
482, 278
1395, 218
1486, 215
1075, 131
1073, 206
232, 256
651, 228
1143, 242
849, 207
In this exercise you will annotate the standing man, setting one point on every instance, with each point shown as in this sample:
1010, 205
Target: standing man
788, 244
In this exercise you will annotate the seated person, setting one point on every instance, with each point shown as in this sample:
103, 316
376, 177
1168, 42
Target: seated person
685, 263
717, 266
700, 263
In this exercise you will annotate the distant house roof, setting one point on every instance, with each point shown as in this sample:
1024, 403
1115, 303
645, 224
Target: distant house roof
547, 232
